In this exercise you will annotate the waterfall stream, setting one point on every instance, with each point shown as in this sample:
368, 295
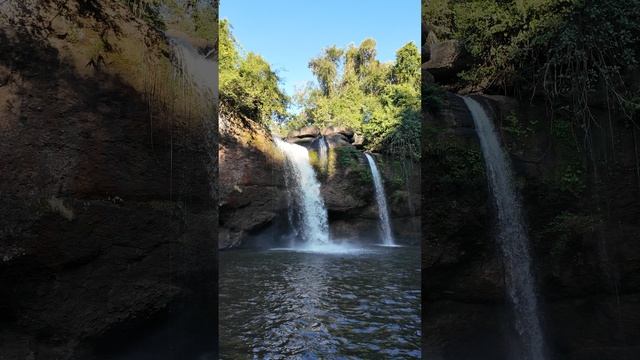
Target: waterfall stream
312, 227
512, 235
381, 200
323, 150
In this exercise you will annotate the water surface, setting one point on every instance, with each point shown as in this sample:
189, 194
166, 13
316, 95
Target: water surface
283, 304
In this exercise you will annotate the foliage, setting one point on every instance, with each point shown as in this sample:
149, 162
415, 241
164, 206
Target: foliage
570, 49
439, 16
198, 18
378, 100
516, 128
247, 82
433, 97
349, 158
148, 10
572, 179
459, 164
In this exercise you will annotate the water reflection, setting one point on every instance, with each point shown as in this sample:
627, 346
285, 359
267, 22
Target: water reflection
282, 304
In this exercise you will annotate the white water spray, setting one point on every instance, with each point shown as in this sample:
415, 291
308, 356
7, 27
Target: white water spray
381, 199
313, 227
512, 235
323, 150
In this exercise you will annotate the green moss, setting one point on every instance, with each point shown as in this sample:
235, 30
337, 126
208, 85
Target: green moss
517, 128
349, 159
433, 97
567, 227
347, 156
314, 159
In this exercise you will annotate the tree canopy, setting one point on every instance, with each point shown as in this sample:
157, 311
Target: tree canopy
565, 49
378, 100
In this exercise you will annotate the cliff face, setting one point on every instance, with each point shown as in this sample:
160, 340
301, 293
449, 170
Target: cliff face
253, 203
582, 213
107, 227
253, 192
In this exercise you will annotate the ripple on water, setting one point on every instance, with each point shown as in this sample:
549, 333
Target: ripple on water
310, 303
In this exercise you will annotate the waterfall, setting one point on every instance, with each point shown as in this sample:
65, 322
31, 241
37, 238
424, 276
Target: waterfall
512, 235
313, 225
323, 149
383, 210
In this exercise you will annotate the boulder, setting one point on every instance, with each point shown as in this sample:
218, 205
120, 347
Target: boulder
305, 132
333, 130
446, 60
427, 77
309, 131
337, 140
293, 134
304, 141
358, 141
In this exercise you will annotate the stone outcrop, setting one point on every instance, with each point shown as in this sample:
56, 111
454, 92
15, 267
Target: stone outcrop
252, 188
108, 222
341, 130
336, 136
446, 60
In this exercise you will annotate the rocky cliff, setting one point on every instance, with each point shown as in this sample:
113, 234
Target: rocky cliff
253, 203
253, 192
581, 198
108, 217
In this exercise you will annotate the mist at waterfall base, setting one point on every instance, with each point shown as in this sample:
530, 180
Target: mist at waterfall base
307, 212
318, 297
512, 238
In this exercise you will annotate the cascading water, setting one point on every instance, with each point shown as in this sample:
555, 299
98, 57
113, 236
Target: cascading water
512, 236
383, 210
323, 150
313, 224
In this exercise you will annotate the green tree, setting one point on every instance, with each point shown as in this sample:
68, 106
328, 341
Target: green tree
247, 82
379, 100
406, 69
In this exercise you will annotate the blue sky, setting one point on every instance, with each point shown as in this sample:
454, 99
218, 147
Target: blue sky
288, 33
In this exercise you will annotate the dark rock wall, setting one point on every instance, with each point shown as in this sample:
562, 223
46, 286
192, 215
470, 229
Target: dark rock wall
107, 223
583, 220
